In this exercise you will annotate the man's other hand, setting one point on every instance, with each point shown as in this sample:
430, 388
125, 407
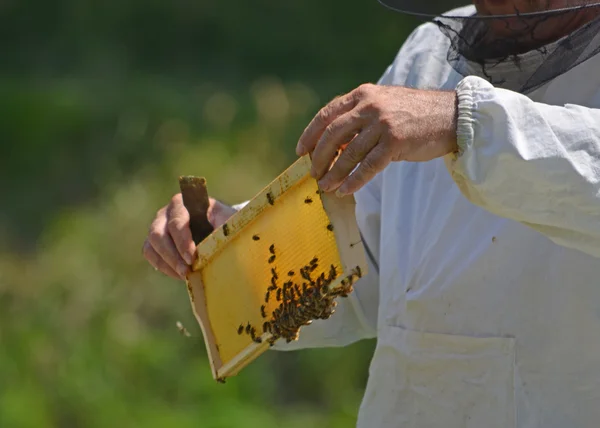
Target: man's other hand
169, 246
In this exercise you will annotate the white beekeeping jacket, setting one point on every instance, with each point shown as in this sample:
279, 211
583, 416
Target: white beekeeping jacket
484, 287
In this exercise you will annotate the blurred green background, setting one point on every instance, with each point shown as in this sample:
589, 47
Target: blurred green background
103, 104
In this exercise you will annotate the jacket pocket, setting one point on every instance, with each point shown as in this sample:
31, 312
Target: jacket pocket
430, 380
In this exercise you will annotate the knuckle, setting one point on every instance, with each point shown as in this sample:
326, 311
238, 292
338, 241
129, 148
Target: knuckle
368, 164
352, 153
324, 115
372, 107
330, 131
155, 235
175, 225
177, 199
365, 89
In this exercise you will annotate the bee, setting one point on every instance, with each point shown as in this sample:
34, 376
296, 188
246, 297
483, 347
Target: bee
274, 272
308, 200
358, 272
304, 288
319, 283
182, 329
262, 311
350, 281
356, 243
273, 283
278, 295
297, 288
257, 340
305, 275
255, 237
313, 267
276, 330
291, 273
301, 311
267, 327
314, 261
330, 227
272, 259
267, 295
332, 272
270, 198
226, 229
248, 328
272, 249
240, 329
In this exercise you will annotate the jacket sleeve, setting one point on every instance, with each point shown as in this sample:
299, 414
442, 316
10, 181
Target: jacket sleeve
534, 163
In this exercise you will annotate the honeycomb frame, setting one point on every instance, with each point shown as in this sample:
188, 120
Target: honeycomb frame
224, 278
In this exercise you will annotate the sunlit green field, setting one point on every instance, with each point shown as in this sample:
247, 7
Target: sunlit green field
102, 107
89, 333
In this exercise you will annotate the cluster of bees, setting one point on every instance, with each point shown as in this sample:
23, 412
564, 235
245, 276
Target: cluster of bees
303, 296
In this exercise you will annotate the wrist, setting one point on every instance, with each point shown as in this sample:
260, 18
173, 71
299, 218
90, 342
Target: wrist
449, 122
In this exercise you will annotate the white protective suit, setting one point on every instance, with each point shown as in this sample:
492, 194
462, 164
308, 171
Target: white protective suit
484, 287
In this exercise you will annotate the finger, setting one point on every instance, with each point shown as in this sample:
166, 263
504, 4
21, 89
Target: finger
178, 224
326, 115
162, 243
371, 165
338, 133
157, 262
352, 155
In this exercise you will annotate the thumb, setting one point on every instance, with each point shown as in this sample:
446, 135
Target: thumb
219, 213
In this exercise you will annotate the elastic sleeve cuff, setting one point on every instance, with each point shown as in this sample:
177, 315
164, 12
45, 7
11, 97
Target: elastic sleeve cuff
465, 132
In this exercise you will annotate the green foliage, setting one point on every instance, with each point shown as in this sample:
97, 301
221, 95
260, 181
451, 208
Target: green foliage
102, 106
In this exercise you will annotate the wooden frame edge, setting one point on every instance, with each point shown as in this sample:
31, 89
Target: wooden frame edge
341, 212
195, 287
244, 358
222, 235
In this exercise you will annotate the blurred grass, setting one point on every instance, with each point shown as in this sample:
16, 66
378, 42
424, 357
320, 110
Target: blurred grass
88, 328
102, 106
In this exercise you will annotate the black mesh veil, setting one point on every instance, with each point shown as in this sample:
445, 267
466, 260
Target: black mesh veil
517, 51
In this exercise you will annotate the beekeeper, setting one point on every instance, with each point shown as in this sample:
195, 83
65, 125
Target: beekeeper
476, 167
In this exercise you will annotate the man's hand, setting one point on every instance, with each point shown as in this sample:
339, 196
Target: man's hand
169, 246
373, 126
